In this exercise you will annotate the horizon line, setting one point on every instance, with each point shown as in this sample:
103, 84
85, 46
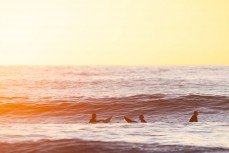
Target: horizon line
103, 65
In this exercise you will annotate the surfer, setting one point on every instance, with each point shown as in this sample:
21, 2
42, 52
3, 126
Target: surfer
94, 120
194, 117
141, 118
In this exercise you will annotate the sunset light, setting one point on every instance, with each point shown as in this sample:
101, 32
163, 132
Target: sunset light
102, 32
107, 76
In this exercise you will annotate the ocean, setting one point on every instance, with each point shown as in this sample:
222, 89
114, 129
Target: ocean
46, 109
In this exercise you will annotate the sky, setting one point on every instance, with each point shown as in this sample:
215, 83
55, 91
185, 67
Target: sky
114, 32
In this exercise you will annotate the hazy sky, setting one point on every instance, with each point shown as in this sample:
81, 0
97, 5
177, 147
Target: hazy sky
114, 32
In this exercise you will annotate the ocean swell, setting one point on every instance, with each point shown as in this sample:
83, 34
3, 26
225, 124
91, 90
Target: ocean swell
78, 107
76, 145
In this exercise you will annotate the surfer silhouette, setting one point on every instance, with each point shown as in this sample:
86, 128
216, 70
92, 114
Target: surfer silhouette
141, 118
194, 117
94, 120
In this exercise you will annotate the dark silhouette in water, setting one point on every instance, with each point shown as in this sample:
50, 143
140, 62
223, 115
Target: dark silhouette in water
194, 117
141, 118
94, 120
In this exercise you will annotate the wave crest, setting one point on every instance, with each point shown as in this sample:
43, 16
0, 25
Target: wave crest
140, 104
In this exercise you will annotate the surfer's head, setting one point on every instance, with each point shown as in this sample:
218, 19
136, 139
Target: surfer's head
195, 113
93, 116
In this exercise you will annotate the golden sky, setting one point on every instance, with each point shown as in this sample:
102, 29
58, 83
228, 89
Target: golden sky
114, 32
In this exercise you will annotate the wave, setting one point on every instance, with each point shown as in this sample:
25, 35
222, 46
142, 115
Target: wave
139, 104
77, 145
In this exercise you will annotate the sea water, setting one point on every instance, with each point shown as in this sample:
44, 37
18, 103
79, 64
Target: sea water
47, 109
